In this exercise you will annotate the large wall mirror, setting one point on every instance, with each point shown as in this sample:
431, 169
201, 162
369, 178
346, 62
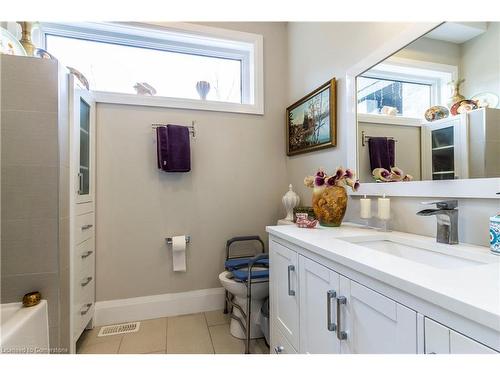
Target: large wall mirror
431, 111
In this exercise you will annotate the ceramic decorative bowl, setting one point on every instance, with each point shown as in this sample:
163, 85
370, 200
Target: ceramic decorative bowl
463, 106
436, 112
486, 99
32, 299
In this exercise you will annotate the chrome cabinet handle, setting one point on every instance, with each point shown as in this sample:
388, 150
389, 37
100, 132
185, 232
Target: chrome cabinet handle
341, 335
86, 310
80, 183
278, 349
86, 254
329, 296
291, 268
87, 226
87, 280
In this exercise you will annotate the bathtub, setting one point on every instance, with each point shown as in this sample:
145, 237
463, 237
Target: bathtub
24, 330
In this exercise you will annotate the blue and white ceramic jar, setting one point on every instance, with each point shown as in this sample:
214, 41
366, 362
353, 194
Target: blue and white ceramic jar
495, 234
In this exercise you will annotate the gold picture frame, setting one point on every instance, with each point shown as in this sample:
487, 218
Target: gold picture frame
311, 122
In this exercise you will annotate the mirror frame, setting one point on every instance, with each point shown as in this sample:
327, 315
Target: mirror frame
465, 188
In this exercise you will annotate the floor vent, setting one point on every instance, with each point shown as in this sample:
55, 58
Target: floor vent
118, 329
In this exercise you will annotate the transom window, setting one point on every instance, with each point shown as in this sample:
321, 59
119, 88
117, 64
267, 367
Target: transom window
410, 99
165, 62
407, 86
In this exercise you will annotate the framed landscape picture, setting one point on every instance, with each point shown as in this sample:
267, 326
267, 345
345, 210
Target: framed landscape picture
311, 122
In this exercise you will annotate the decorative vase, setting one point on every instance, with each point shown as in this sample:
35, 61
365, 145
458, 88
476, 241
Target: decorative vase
290, 201
26, 38
203, 88
455, 93
329, 204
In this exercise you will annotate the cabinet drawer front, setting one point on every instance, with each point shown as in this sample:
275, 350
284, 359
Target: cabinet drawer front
84, 227
82, 316
84, 259
279, 343
284, 291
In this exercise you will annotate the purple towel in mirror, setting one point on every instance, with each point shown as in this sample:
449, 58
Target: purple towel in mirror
382, 153
173, 148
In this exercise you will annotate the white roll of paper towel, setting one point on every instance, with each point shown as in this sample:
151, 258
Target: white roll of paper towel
179, 253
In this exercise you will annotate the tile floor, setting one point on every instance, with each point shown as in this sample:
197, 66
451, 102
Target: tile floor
203, 333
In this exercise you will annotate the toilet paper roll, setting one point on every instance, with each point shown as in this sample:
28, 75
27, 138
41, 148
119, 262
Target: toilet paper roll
179, 253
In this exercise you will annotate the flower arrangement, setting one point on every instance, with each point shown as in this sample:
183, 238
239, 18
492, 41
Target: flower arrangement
329, 199
341, 177
394, 175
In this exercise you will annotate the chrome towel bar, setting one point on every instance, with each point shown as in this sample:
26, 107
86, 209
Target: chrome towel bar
192, 129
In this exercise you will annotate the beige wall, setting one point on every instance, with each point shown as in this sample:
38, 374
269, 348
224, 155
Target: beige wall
407, 148
234, 188
318, 51
432, 50
480, 62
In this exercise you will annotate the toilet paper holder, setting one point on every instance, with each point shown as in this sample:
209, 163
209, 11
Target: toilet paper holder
169, 239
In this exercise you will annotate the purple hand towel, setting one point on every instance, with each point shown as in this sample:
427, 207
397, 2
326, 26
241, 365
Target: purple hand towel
382, 152
173, 148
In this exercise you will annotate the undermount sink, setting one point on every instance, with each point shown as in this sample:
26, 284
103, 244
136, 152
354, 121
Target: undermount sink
434, 255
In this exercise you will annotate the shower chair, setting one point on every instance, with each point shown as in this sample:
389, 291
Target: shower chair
242, 269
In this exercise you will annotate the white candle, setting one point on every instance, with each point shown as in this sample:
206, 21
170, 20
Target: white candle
384, 208
365, 208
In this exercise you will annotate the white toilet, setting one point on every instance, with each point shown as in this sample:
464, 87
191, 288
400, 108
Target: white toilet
260, 290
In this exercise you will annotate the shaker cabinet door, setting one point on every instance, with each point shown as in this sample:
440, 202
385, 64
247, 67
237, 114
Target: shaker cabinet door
460, 344
318, 290
83, 141
374, 323
284, 290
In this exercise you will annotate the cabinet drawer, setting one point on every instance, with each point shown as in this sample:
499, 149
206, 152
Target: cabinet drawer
279, 343
84, 285
82, 316
84, 227
84, 259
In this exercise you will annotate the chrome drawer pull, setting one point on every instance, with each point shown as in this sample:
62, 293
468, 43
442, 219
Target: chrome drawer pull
279, 349
329, 324
87, 254
87, 280
87, 226
341, 335
87, 308
291, 268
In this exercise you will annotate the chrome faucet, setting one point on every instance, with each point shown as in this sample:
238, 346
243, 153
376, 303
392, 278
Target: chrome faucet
447, 220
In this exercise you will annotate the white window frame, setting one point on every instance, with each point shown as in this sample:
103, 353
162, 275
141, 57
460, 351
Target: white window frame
182, 38
413, 71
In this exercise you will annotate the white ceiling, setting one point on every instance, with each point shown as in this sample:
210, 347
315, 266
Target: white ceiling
458, 32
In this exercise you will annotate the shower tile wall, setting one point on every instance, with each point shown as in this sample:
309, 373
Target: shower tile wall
30, 183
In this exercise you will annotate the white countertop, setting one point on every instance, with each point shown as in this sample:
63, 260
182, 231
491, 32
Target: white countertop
473, 292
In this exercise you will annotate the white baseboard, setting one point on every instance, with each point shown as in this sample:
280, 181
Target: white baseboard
158, 306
